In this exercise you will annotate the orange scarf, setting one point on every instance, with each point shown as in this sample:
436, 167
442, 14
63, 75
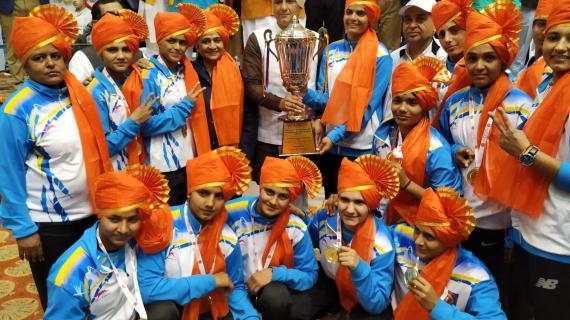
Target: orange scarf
544, 129
91, 134
226, 101
208, 242
414, 148
132, 90
363, 244
530, 78
437, 272
353, 87
198, 120
459, 80
284, 254
489, 167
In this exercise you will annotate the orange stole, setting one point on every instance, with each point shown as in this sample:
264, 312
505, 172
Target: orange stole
530, 78
437, 273
132, 90
544, 128
414, 148
198, 120
226, 101
284, 254
93, 143
489, 168
363, 244
208, 242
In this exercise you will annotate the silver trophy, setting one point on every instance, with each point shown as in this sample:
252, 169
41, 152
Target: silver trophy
295, 52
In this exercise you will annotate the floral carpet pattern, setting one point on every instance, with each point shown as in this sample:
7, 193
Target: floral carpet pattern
18, 295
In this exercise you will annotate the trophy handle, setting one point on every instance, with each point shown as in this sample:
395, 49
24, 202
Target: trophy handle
323, 40
267, 35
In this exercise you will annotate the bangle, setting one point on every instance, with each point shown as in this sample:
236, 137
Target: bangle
406, 185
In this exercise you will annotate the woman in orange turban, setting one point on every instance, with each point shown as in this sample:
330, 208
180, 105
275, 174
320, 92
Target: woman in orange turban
102, 264
278, 260
53, 145
490, 47
201, 268
435, 278
221, 114
116, 40
537, 168
531, 76
421, 155
449, 19
356, 248
351, 88
170, 135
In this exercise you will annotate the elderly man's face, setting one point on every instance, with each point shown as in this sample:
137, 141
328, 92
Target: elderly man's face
284, 10
417, 25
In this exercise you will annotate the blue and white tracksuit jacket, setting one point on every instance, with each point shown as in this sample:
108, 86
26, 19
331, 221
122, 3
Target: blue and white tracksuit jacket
372, 282
471, 292
347, 143
304, 273
167, 275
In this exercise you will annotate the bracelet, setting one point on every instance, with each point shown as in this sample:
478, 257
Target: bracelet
406, 185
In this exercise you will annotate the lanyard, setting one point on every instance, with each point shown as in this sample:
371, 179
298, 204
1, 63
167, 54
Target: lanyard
194, 242
135, 300
256, 257
479, 149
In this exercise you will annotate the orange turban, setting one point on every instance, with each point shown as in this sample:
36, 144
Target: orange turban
142, 188
543, 9
417, 78
450, 10
452, 220
293, 173
374, 178
46, 24
499, 25
370, 6
190, 22
128, 27
449, 216
223, 20
225, 167
559, 14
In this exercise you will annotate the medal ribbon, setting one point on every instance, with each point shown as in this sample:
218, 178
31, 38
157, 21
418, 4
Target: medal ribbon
194, 241
479, 149
256, 258
130, 260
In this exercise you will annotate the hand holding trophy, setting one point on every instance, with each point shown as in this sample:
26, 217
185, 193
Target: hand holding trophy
295, 46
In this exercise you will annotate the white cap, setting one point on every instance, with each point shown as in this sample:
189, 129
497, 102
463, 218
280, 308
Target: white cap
425, 5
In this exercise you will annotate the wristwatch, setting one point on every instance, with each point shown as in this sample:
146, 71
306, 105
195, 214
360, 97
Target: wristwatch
528, 155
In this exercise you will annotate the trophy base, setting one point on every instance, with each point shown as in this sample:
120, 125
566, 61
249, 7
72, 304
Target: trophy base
298, 138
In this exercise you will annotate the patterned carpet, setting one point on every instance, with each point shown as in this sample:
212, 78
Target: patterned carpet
18, 295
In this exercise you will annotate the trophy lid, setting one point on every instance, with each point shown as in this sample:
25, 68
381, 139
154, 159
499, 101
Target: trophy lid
295, 31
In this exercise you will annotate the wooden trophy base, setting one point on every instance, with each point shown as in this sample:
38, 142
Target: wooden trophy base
298, 138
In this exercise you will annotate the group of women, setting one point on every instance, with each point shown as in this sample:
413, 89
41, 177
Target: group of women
507, 154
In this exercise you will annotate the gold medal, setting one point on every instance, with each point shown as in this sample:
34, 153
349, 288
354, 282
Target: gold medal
472, 175
331, 255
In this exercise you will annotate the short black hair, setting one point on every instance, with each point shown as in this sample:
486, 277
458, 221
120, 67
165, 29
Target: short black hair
96, 9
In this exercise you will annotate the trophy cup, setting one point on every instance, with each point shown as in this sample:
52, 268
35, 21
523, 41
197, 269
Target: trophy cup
295, 46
